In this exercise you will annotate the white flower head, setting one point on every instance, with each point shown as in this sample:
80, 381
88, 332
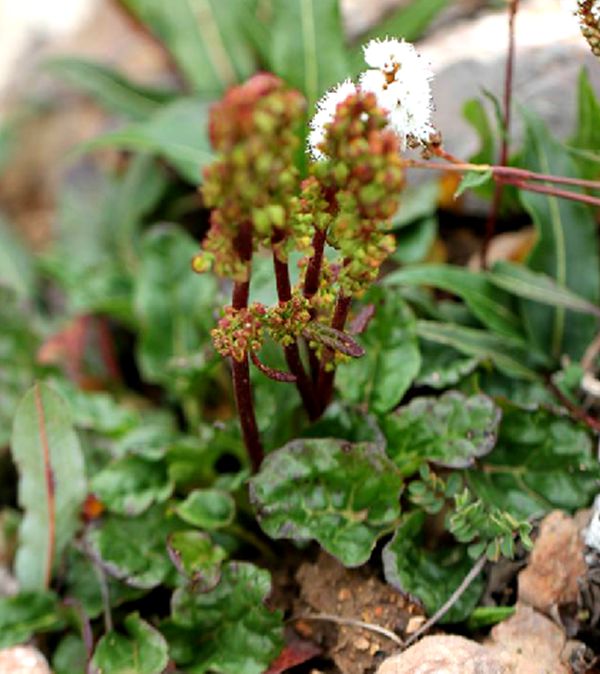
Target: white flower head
326, 109
401, 80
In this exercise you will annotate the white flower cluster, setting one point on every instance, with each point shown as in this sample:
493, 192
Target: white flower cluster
400, 79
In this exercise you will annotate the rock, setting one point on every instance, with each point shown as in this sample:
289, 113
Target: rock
556, 563
445, 654
23, 660
530, 643
469, 57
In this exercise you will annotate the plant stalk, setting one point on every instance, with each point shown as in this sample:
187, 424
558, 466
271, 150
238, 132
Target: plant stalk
241, 369
490, 228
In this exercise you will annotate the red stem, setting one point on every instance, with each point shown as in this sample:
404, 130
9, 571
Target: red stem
576, 412
241, 369
326, 377
552, 191
313, 272
292, 352
490, 228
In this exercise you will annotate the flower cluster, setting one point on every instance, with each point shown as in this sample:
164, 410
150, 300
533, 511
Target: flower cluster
239, 331
286, 321
588, 13
400, 80
253, 177
363, 179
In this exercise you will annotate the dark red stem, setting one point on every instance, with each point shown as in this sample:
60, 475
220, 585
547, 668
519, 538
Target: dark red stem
576, 412
552, 191
313, 272
241, 369
326, 377
292, 352
490, 228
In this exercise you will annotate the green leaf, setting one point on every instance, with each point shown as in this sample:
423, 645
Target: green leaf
418, 203
431, 576
307, 45
343, 495
587, 130
475, 113
52, 485
541, 462
176, 133
566, 249
443, 366
232, 630
205, 37
19, 343
523, 282
452, 430
207, 509
485, 616
491, 305
173, 305
195, 556
414, 242
391, 361
130, 485
473, 179
70, 656
143, 651
109, 87
508, 356
134, 550
27, 614
17, 266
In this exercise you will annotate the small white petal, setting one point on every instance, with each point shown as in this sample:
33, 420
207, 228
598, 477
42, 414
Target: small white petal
326, 109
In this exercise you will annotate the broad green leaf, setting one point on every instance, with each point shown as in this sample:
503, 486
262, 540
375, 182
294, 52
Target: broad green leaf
443, 366
408, 22
414, 242
307, 45
88, 582
176, 133
143, 651
452, 430
207, 509
523, 282
19, 343
471, 180
431, 576
135, 549
173, 305
27, 614
197, 558
541, 462
52, 484
109, 87
587, 131
566, 249
475, 113
70, 656
418, 203
392, 360
346, 422
232, 629
205, 37
343, 495
491, 305
130, 485
507, 355
17, 266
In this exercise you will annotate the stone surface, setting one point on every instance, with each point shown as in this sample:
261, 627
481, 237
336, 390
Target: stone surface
530, 643
445, 654
469, 56
22, 660
556, 563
